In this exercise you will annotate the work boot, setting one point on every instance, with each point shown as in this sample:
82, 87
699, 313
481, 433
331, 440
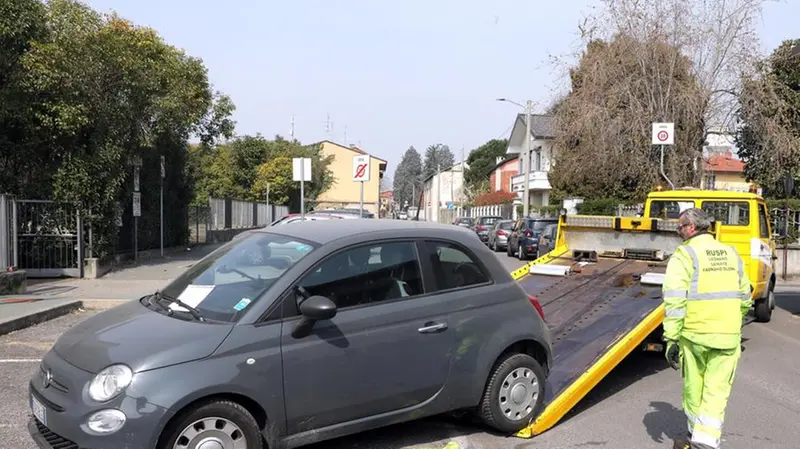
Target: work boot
683, 443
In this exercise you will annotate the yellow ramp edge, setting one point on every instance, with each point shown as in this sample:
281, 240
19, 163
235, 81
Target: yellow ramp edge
588, 380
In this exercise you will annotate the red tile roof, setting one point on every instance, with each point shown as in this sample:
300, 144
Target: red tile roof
724, 163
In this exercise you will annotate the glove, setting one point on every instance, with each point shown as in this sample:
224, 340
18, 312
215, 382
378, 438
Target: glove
673, 354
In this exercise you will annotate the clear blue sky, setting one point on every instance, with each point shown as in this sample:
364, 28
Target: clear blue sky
395, 73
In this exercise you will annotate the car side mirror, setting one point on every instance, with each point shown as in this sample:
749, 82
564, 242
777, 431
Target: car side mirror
318, 308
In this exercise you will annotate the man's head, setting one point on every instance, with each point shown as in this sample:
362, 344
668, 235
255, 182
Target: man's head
692, 222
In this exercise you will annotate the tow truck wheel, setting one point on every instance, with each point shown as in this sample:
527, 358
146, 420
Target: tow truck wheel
514, 393
763, 307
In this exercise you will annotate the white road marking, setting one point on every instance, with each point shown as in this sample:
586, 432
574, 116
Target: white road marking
20, 360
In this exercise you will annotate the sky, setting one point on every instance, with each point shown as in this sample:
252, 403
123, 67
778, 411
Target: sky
386, 75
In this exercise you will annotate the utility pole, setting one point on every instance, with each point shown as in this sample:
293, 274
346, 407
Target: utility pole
345, 134
269, 209
291, 131
438, 189
527, 162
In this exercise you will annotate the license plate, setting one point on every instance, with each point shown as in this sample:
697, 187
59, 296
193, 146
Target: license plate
38, 410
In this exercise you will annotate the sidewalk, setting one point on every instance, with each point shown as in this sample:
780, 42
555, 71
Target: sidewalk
46, 299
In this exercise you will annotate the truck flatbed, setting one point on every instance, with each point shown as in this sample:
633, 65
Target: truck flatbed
597, 316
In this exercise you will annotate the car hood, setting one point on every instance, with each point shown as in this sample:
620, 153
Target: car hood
139, 337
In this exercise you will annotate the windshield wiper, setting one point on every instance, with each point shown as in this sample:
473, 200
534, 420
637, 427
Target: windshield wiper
194, 312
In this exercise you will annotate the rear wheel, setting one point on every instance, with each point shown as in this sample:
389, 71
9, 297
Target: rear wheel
213, 425
520, 253
514, 393
763, 307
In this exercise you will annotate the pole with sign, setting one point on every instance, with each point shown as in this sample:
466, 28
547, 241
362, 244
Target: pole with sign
137, 206
301, 171
361, 169
663, 135
163, 174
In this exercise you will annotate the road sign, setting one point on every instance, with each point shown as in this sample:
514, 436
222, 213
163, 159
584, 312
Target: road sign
137, 204
136, 169
361, 168
301, 169
663, 134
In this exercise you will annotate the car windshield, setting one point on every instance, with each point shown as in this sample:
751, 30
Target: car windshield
538, 225
464, 221
489, 220
505, 225
223, 284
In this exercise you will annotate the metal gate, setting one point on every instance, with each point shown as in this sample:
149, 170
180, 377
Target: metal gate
48, 238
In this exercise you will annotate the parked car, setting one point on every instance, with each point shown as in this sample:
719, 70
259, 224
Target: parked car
547, 240
498, 235
295, 218
524, 239
402, 215
464, 222
299, 334
483, 224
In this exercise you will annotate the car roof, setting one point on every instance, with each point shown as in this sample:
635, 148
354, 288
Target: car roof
326, 231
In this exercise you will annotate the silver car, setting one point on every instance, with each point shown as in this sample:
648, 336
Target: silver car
296, 334
498, 235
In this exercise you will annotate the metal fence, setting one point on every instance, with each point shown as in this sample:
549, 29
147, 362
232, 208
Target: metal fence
449, 216
224, 213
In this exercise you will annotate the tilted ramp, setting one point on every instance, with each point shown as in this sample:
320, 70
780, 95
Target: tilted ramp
603, 310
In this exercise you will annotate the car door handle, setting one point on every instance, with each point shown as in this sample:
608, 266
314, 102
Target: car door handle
430, 328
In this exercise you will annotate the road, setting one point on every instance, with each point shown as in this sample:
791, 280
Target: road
637, 406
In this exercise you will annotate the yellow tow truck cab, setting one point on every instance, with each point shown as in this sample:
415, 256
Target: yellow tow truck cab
742, 221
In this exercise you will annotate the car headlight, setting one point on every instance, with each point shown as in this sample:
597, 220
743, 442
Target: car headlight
110, 382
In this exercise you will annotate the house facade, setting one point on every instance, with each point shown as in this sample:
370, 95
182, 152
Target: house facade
501, 176
346, 193
541, 136
443, 190
724, 172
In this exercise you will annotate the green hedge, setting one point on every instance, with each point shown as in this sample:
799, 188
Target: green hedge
601, 206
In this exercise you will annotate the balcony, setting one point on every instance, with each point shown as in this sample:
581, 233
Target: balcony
537, 181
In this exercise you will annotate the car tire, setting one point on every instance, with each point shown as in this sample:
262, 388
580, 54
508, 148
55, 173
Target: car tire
520, 254
519, 375
763, 307
237, 423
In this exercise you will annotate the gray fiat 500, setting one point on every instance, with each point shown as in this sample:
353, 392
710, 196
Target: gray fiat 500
295, 334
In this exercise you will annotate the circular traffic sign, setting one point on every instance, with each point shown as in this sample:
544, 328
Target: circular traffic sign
663, 135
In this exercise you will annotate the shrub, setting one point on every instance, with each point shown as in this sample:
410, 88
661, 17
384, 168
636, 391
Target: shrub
492, 198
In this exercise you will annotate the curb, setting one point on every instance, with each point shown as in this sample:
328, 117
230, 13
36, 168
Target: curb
39, 317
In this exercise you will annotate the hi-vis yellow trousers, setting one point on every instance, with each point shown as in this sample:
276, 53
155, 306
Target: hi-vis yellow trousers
708, 377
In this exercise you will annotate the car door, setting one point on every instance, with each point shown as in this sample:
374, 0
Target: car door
513, 238
388, 348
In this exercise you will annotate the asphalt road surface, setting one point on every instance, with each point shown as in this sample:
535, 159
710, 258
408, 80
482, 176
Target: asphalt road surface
636, 406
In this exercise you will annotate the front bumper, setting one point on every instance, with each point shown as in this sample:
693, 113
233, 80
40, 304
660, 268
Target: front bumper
67, 408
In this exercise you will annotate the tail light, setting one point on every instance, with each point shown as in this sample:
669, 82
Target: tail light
536, 305
479, 228
528, 233
501, 232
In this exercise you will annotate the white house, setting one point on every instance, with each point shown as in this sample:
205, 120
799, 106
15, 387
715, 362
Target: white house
542, 135
442, 190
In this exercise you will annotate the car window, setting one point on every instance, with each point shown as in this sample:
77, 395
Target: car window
667, 209
732, 213
550, 231
231, 278
366, 274
453, 266
763, 222
505, 225
489, 220
537, 225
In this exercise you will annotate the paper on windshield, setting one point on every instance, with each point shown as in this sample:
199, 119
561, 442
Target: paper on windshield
685, 205
192, 296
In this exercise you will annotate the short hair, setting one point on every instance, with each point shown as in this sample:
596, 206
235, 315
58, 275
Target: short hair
698, 217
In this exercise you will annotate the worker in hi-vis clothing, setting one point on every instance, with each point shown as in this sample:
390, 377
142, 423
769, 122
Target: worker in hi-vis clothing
706, 297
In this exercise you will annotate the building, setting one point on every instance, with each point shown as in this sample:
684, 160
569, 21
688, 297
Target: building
443, 190
346, 193
724, 172
542, 136
502, 174
387, 203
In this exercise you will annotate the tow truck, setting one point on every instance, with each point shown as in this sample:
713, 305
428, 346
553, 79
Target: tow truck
600, 287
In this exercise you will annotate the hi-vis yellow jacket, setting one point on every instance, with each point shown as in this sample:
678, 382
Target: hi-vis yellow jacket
706, 294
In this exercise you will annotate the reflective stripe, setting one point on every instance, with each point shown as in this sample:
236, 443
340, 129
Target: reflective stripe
674, 293
708, 421
705, 439
675, 313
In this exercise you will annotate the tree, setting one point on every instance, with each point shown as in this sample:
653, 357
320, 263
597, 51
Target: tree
769, 138
437, 157
603, 126
386, 183
407, 178
719, 37
481, 161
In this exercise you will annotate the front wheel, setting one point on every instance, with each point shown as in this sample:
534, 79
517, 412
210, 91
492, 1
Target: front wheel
763, 307
514, 393
217, 424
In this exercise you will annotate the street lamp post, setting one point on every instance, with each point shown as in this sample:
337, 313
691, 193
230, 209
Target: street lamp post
526, 151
